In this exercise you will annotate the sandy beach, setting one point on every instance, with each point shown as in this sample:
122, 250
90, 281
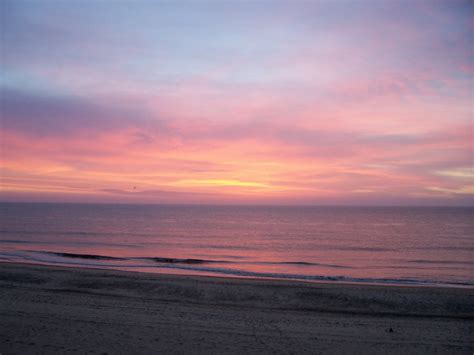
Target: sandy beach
46, 310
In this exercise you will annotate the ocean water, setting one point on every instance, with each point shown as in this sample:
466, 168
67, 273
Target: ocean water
390, 245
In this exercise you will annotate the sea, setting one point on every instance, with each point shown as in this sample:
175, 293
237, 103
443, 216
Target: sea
432, 246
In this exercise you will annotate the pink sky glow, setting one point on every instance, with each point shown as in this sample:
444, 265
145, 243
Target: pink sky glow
259, 102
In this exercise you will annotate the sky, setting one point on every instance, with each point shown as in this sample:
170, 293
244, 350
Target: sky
237, 102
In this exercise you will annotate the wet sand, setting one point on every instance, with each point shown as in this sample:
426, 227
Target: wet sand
57, 310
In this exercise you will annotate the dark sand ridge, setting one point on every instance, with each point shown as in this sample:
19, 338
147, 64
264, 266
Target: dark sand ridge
47, 309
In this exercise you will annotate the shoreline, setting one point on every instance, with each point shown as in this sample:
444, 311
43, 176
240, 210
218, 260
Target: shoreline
289, 281
319, 279
242, 274
58, 309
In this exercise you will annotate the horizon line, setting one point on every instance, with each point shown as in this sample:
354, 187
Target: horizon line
237, 204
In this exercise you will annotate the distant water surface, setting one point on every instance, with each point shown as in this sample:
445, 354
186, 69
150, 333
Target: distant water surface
396, 245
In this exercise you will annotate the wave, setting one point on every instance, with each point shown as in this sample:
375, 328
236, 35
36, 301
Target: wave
306, 263
192, 265
442, 262
204, 261
181, 261
70, 243
107, 257
461, 248
11, 241
347, 279
168, 260
76, 233
357, 248
84, 256
46, 232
